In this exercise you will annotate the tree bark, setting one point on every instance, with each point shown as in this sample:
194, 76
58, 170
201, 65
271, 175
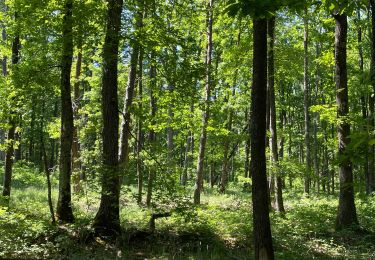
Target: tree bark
107, 219
76, 163
206, 107
9, 152
261, 222
306, 102
152, 134
346, 215
272, 103
140, 131
64, 210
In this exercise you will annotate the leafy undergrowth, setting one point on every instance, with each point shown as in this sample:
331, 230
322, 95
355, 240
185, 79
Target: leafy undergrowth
219, 229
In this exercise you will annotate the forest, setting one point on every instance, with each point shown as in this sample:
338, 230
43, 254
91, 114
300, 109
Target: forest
187, 129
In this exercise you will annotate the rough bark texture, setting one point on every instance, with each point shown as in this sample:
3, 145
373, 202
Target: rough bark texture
107, 219
64, 208
346, 215
261, 222
279, 204
306, 102
206, 108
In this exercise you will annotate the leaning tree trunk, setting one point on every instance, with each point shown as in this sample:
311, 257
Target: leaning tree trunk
306, 102
107, 219
9, 153
261, 222
206, 108
272, 103
64, 210
346, 215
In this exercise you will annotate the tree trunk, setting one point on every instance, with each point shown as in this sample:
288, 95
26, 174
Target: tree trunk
346, 215
247, 145
64, 208
261, 222
9, 152
152, 134
370, 180
206, 107
76, 163
107, 219
139, 131
306, 102
272, 103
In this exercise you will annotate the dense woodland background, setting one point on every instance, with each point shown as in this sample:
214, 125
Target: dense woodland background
187, 129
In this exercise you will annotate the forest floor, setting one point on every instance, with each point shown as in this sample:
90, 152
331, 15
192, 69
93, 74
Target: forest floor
219, 229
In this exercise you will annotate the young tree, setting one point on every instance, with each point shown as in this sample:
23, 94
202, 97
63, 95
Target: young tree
107, 219
206, 108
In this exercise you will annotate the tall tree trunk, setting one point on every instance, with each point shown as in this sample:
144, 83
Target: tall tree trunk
76, 163
206, 107
64, 208
152, 134
107, 219
272, 102
346, 215
9, 152
139, 131
306, 102
128, 100
370, 180
363, 96
261, 222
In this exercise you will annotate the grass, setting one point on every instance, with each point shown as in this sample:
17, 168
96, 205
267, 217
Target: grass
219, 229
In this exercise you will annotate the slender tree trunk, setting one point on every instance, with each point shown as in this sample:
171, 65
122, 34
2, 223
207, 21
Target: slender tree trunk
206, 108
64, 210
272, 103
76, 163
152, 134
346, 215
370, 180
306, 102
261, 222
363, 96
9, 152
107, 219
47, 170
140, 131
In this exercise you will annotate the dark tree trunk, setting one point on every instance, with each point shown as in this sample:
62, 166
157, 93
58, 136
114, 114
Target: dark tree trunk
247, 145
64, 208
272, 103
107, 219
206, 108
346, 215
261, 222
